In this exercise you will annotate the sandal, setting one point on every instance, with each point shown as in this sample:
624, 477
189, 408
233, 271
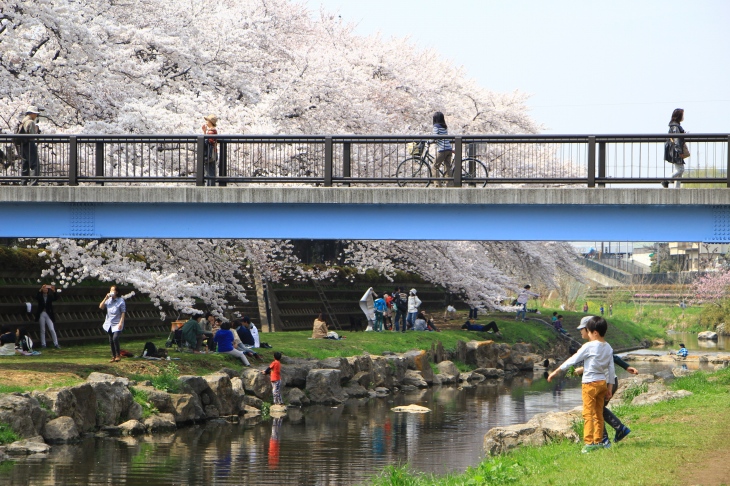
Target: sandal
113, 359
117, 359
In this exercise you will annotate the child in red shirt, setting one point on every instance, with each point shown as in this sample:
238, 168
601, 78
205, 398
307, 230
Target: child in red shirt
275, 370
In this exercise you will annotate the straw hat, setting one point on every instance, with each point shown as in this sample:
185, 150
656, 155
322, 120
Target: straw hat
212, 119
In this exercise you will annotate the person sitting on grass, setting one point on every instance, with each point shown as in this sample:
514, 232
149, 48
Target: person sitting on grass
193, 334
238, 343
319, 329
430, 326
491, 327
558, 325
7, 342
420, 324
224, 339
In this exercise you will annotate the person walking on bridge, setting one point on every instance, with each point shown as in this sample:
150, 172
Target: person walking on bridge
444, 153
27, 149
681, 151
210, 148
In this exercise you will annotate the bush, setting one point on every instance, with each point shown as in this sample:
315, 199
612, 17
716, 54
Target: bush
167, 380
7, 435
142, 398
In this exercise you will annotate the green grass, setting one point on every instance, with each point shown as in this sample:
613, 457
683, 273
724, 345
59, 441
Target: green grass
665, 438
7, 435
142, 399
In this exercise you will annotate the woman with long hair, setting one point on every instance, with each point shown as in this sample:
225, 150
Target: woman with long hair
116, 309
682, 150
443, 155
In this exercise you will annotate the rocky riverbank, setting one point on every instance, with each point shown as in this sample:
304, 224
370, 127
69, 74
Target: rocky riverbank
106, 404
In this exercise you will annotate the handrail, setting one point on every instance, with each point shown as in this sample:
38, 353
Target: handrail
327, 160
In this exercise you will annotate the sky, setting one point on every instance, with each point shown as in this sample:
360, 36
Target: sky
593, 67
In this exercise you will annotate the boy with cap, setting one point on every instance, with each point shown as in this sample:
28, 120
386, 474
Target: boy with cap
598, 377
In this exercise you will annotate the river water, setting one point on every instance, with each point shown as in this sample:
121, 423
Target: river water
314, 446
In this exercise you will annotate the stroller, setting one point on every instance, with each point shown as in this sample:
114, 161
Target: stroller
175, 338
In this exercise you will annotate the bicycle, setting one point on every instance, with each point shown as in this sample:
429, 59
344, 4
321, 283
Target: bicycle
417, 169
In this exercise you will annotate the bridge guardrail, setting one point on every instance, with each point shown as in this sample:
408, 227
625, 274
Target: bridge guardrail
327, 160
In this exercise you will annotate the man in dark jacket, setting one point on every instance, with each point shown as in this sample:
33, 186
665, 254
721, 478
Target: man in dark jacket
193, 334
44, 313
244, 333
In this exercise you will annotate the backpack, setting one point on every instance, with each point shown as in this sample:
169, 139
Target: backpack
17, 142
149, 350
401, 304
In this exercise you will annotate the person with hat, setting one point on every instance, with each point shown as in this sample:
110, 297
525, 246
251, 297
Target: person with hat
27, 149
413, 304
210, 148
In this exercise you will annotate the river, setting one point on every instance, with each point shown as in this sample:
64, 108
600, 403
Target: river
317, 445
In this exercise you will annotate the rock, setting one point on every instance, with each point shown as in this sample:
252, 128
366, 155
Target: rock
475, 378
679, 372
437, 380
382, 372
257, 383
408, 388
722, 329
230, 372
355, 390
186, 407
381, 391
132, 427
346, 370
104, 377
251, 411
160, 400
707, 336
251, 401
523, 348
77, 402
295, 397
197, 384
448, 372
23, 414
277, 411
323, 386
220, 385
414, 378
662, 396
295, 375
490, 372
418, 360
541, 429
163, 422
28, 446
410, 409
211, 411
114, 401
109, 431
362, 378
61, 430
399, 365
360, 363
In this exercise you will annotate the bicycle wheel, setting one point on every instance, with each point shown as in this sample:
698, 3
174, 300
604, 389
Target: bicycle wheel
474, 172
413, 168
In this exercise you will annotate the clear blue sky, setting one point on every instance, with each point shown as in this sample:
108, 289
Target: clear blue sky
591, 66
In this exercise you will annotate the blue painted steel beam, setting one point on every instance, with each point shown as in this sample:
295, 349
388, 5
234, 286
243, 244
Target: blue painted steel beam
557, 222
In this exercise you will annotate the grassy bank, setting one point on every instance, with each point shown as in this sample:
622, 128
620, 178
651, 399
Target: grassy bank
72, 364
677, 442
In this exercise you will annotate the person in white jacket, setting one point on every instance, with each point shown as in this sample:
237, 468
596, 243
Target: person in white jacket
522, 298
413, 304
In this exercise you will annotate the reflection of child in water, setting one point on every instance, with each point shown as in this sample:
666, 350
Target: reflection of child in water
274, 443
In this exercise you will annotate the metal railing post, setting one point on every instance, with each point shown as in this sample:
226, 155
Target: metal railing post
727, 174
457, 161
73, 161
346, 161
223, 161
328, 162
602, 162
200, 161
592, 161
99, 156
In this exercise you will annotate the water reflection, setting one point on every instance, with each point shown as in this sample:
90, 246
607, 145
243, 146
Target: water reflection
314, 446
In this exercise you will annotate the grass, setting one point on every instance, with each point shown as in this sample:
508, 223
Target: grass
7, 435
142, 399
666, 440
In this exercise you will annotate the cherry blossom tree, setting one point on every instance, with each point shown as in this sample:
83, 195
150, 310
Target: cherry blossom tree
268, 67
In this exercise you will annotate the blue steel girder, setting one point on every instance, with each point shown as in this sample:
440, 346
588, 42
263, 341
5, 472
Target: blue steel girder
374, 213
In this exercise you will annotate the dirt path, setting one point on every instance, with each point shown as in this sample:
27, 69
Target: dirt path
712, 470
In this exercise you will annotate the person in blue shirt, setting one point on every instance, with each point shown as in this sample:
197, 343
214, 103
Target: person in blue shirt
224, 339
682, 351
380, 306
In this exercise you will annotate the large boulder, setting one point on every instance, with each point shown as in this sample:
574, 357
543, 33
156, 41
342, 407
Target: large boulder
77, 402
106, 378
31, 445
157, 398
541, 429
414, 378
323, 386
201, 388
382, 372
220, 385
448, 372
360, 363
490, 373
23, 414
257, 384
363, 378
418, 360
482, 354
659, 396
518, 357
114, 402
342, 364
355, 390
61, 430
707, 336
295, 397
132, 427
186, 407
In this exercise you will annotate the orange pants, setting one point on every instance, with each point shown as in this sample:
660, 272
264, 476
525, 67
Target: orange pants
594, 396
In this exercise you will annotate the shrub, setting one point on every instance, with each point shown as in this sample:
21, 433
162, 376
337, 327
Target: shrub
7, 435
142, 398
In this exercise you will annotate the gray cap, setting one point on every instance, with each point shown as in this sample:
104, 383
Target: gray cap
584, 322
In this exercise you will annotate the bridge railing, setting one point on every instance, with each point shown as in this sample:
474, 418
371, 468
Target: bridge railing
579, 160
